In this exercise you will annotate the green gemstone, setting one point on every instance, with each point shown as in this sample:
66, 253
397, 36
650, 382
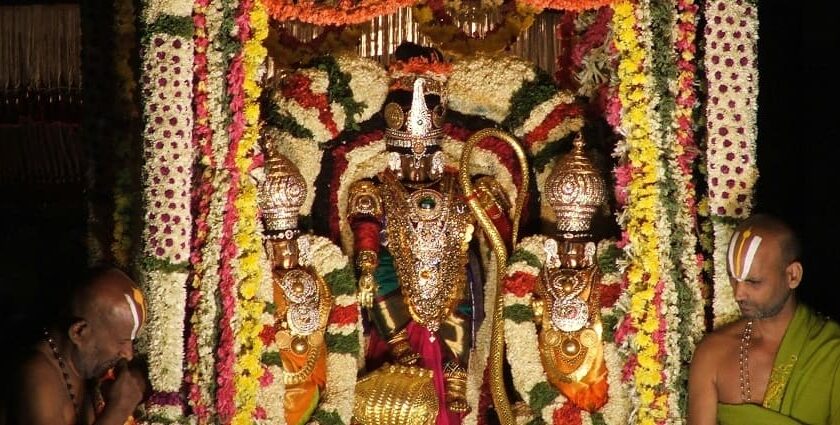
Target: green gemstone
426, 203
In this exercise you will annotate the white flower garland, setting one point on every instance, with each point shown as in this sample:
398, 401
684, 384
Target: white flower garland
732, 73
167, 74
540, 113
163, 338
724, 307
153, 9
167, 86
339, 394
368, 82
478, 358
368, 85
484, 85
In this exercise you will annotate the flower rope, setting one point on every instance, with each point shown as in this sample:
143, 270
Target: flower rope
167, 76
641, 335
732, 74
202, 309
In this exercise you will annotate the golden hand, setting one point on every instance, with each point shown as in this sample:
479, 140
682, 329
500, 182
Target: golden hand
367, 261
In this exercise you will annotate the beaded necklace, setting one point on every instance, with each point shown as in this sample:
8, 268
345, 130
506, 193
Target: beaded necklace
64, 372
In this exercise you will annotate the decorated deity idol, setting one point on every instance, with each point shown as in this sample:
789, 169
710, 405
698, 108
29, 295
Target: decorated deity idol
315, 334
419, 277
559, 286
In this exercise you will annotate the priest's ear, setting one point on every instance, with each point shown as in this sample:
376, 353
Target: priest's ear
793, 274
78, 330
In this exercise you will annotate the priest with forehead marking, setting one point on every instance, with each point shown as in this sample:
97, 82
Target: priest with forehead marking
79, 372
778, 364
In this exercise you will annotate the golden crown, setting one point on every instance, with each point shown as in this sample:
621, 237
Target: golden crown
418, 127
575, 190
281, 195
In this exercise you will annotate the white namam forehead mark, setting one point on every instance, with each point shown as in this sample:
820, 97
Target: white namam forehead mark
742, 250
135, 315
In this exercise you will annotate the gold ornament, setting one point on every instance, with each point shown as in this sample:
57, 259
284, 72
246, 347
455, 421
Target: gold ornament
394, 116
426, 231
396, 395
281, 195
497, 345
575, 190
419, 128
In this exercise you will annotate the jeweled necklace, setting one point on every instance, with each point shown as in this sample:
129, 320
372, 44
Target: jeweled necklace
64, 372
744, 363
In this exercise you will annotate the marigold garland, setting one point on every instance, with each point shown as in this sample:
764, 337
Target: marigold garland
571, 5
642, 341
732, 74
244, 78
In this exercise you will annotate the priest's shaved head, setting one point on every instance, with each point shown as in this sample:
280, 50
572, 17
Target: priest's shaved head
92, 340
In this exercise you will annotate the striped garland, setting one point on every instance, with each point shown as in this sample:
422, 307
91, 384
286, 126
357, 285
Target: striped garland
166, 78
731, 45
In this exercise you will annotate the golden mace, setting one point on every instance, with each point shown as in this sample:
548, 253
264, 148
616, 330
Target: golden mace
497, 343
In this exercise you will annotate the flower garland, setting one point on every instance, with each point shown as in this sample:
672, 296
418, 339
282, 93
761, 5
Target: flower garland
436, 24
641, 334
244, 76
681, 164
342, 336
320, 12
589, 56
167, 62
201, 306
287, 51
334, 95
296, 131
570, 5
514, 93
525, 101
529, 376
731, 70
681, 291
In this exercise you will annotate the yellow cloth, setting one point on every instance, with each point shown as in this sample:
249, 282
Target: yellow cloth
302, 399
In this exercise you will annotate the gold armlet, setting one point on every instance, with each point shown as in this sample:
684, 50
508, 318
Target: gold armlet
364, 200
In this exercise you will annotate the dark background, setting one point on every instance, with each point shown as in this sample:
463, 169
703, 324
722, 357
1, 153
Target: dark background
42, 226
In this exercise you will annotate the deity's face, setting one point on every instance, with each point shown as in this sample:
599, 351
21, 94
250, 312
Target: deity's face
418, 170
283, 254
762, 280
576, 254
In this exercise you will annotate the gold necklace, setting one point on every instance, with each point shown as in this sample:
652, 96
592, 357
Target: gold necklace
744, 363
64, 372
